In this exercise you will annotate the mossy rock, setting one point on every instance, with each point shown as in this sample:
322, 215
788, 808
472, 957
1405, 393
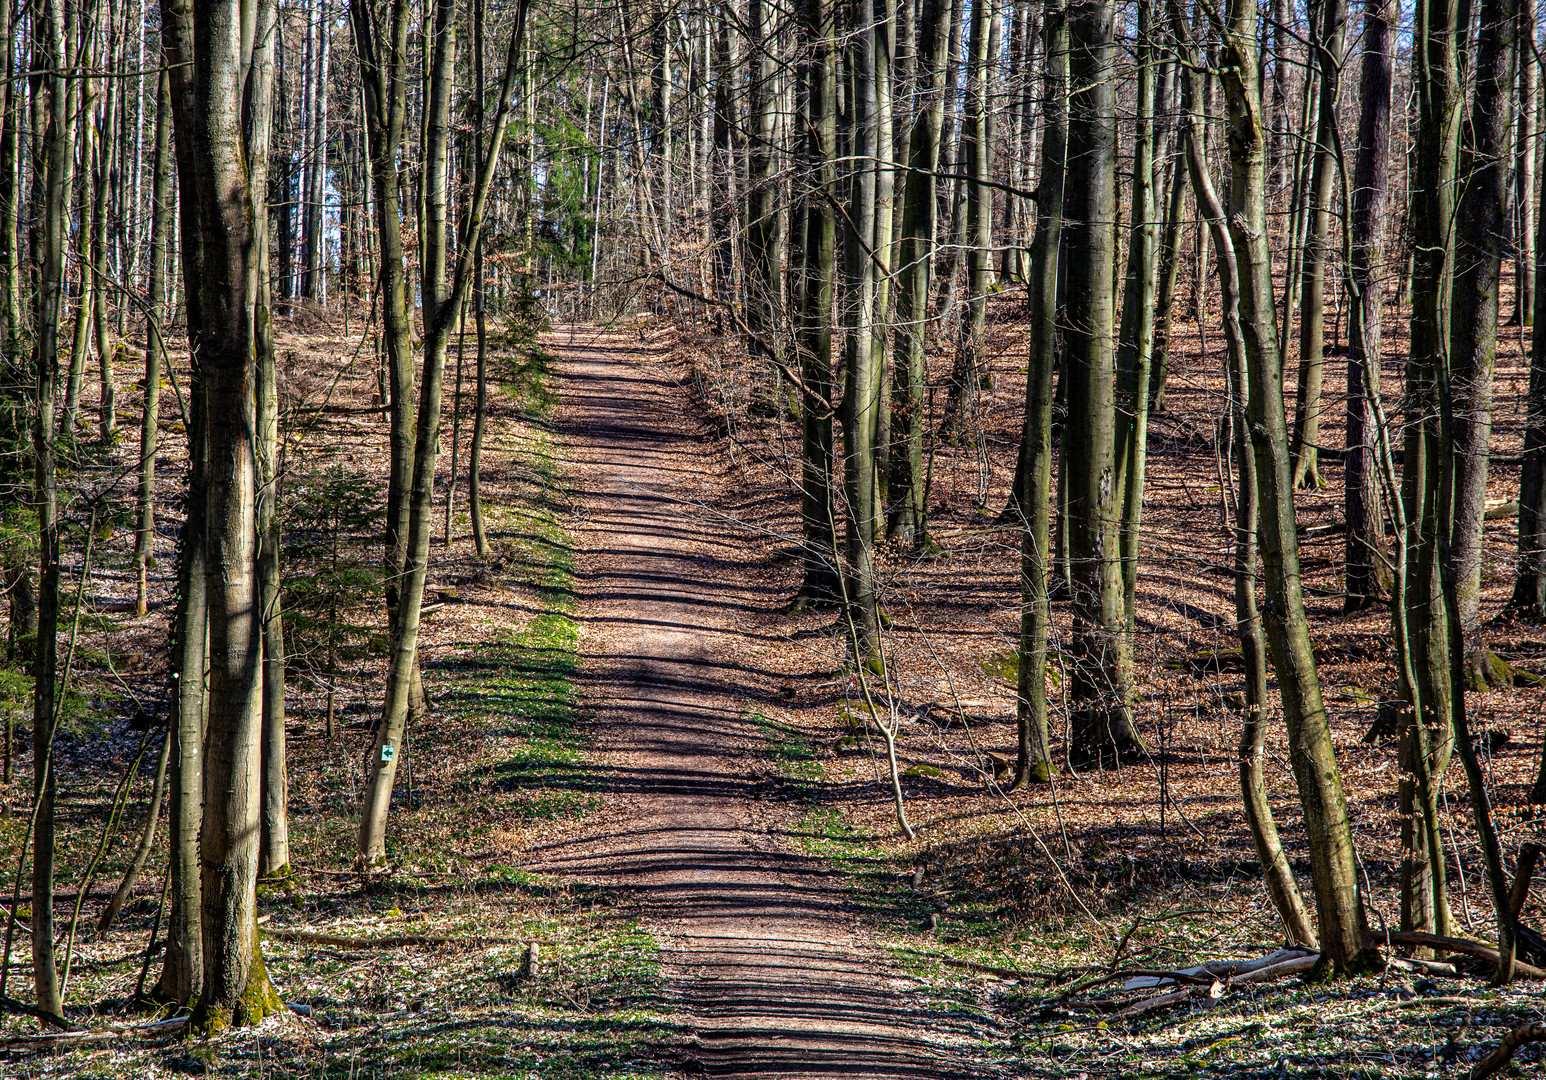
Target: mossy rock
913, 772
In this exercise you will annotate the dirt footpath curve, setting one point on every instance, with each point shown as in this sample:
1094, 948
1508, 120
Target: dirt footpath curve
766, 966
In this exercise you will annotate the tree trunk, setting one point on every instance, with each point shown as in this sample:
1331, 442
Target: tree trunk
1426, 451
1331, 49
1165, 304
1033, 760
819, 91
1465, 396
1479, 228
1529, 598
1101, 725
440, 303
1526, 157
155, 343
860, 396
1276, 870
106, 150
228, 70
978, 144
383, 59
1346, 944
1365, 577
182, 973
313, 268
48, 243
907, 522
1135, 345
480, 395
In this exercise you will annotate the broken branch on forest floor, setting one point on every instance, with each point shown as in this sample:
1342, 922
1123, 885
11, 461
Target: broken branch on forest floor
64, 1039
1505, 1050
1464, 946
393, 941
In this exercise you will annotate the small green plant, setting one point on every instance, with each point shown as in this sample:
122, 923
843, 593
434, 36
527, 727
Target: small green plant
330, 518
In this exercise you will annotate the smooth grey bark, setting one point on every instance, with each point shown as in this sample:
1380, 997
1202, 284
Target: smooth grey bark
53, 170
1135, 343
1330, 49
1428, 739
861, 386
382, 53
1366, 577
230, 70
1526, 155
1101, 724
313, 271
1165, 299
1033, 757
440, 301
1277, 872
978, 144
907, 521
1467, 398
764, 235
102, 185
1473, 339
818, 91
155, 343
1529, 597
1346, 944
479, 296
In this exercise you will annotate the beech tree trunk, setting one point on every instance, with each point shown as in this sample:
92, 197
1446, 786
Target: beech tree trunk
1346, 944
53, 171
440, 302
228, 69
1366, 577
1276, 870
1033, 759
1101, 724
907, 521
818, 92
1479, 242
155, 344
1331, 48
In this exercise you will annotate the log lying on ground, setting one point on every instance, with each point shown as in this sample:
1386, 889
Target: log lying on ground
1505, 1050
1219, 969
1297, 965
66, 1039
393, 941
1465, 947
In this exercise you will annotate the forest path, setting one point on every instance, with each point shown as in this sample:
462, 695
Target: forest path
766, 965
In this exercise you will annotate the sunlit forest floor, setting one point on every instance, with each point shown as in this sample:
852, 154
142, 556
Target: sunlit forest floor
489, 773
998, 907
1154, 864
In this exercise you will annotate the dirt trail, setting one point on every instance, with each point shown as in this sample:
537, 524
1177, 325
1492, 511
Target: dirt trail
766, 965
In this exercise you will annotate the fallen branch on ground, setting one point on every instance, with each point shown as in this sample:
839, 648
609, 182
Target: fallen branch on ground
394, 941
63, 1039
1505, 1050
22, 1008
1466, 947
